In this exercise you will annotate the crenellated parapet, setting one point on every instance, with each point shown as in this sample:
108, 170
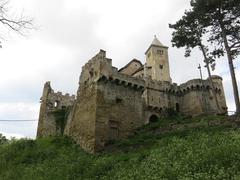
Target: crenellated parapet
124, 80
55, 100
100, 69
200, 85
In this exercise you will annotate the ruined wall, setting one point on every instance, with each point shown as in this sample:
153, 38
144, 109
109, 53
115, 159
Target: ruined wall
108, 106
54, 110
82, 126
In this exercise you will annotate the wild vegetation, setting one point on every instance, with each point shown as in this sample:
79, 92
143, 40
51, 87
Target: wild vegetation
203, 152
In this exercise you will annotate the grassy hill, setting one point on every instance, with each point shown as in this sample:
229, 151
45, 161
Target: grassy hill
172, 148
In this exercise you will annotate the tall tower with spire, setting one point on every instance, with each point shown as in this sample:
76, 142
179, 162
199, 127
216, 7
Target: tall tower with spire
157, 64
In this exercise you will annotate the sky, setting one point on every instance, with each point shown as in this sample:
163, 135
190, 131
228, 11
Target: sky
68, 33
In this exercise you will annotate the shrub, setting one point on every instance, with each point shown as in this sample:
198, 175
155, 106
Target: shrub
3, 139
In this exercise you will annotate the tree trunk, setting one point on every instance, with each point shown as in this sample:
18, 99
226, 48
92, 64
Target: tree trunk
232, 71
210, 76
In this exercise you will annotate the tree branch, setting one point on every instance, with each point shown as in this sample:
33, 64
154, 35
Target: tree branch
234, 44
16, 24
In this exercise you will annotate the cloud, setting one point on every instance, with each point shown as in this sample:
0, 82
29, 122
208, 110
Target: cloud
19, 111
70, 33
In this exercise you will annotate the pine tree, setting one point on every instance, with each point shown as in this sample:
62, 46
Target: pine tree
222, 17
189, 33
218, 21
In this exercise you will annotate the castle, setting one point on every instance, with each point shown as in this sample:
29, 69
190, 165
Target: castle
111, 103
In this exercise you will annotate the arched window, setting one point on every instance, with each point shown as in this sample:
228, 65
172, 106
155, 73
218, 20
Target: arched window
56, 104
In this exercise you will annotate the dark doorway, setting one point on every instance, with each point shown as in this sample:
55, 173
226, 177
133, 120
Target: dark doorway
177, 107
113, 132
153, 118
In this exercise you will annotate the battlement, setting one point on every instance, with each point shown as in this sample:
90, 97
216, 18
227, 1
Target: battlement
56, 100
198, 84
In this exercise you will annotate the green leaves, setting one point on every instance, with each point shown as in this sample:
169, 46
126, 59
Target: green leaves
3, 139
207, 20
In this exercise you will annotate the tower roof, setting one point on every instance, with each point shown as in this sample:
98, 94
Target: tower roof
157, 43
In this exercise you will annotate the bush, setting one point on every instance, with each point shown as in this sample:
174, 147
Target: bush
3, 139
203, 153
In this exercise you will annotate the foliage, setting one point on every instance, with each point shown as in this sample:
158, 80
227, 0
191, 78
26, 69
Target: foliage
204, 153
188, 32
223, 18
172, 113
215, 21
3, 139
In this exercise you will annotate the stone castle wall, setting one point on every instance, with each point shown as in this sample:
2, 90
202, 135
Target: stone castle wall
111, 105
108, 106
119, 111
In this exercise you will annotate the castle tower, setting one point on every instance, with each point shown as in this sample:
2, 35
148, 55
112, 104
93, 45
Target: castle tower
157, 64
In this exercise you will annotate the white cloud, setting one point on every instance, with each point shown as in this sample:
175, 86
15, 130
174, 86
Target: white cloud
71, 32
19, 111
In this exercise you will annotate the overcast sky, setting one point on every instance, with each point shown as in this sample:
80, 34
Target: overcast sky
69, 33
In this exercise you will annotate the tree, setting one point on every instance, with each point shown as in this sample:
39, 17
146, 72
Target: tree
17, 23
189, 33
222, 17
3, 139
219, 22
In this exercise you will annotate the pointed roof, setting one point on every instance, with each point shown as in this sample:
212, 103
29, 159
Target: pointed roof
157, 43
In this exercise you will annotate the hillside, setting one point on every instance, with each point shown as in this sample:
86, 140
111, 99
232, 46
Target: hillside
172, 148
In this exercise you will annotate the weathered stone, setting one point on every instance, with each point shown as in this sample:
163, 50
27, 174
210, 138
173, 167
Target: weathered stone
111, 104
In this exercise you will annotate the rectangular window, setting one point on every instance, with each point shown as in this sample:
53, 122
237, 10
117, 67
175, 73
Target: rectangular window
160, 52
161, 66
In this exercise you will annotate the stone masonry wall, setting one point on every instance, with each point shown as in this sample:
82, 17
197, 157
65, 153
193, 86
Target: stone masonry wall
54, 110
119, 111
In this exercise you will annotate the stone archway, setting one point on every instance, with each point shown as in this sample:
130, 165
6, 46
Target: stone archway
153, 118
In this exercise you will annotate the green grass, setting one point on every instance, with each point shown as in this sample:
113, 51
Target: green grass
200, 153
